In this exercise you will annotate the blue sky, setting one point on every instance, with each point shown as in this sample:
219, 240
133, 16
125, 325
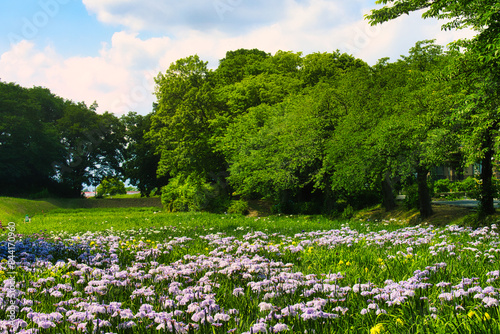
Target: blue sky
109, 51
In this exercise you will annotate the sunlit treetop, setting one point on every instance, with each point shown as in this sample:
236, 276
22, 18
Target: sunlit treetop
482, 16
477, 14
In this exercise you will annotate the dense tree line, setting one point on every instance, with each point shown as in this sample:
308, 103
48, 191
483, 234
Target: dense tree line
50, 146
476, 70
313, 133
323, 132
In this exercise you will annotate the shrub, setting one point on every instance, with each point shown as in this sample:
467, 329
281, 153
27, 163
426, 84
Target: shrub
348, 212
185, 193
193, 193
44, 193
309, 208
411, 199
238, 207
469, 184
110, 186
442, 186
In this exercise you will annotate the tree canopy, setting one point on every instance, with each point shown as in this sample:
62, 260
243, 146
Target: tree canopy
317, 133
52, 145
478, 69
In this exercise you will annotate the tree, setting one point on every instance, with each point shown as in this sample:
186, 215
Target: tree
428, 106
110, 186
356, 164
140, 160
325, 66
482, 60
239, 64
393, 127
93, 143
180, 126
48, 144
259, 130
29, 141
276, 151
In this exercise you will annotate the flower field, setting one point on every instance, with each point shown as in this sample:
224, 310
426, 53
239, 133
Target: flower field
201, 273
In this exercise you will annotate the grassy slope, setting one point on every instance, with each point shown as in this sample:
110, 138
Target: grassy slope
443, 215
15, 209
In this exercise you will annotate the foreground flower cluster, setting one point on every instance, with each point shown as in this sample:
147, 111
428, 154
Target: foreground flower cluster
348, 279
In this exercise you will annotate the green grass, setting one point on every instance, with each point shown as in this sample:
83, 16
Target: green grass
120, 219
368, 252
15, 209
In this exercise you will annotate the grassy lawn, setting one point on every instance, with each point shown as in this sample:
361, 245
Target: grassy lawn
15, 209
207, 273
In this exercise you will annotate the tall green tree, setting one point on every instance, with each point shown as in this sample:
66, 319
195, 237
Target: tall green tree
317, 67
110, 186
483, 63
180, 125
428, 106
276, 151
355, 164
239, 64
29, 141
394, 126
94, 144
140, 158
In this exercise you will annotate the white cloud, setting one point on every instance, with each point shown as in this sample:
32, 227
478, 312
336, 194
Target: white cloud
394, 38
120, 78
171, 16
108, 79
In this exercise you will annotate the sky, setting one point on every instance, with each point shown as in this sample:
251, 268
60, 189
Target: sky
110, 51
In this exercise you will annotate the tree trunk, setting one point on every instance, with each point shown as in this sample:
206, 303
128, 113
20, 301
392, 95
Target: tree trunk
486, 206
424, 198
387, 193
329, 200
285, 204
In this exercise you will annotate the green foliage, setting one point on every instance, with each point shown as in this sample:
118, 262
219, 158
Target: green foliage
265, 153
239, 64
29, 141
192, 193
180, 126
94, 144
442, 186
411, 199
476, 73
140, 157
470, 186
110, 186
44, 193
348, 212
327, 67
54, 144
309, 207
239, 207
